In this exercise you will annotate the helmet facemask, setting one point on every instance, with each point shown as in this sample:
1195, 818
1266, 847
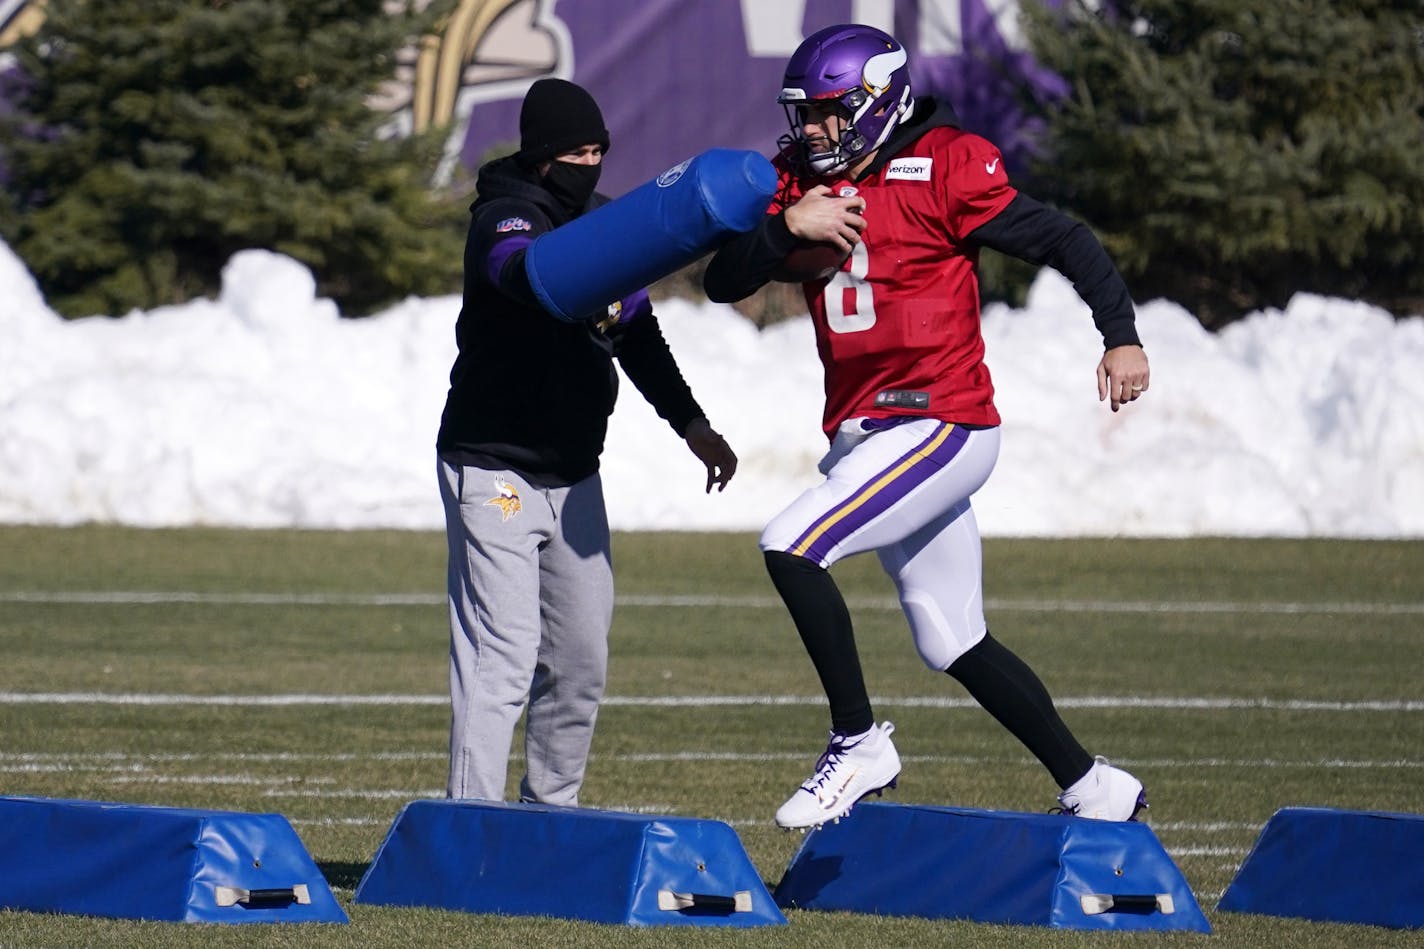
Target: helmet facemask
858, 70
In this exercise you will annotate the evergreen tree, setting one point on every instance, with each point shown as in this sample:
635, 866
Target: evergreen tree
1232, 152
152, 139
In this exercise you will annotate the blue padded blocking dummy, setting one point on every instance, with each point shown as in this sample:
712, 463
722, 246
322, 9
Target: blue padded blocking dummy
568, 862
991, 867
581, 267
1334, 866
139, 862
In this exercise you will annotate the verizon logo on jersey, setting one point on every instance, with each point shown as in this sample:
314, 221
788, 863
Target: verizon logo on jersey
911, 169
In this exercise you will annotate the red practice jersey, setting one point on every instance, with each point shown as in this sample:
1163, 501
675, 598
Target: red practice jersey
902, 315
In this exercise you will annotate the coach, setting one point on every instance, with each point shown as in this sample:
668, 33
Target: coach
530, 577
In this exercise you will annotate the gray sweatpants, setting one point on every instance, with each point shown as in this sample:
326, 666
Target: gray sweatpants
530, 586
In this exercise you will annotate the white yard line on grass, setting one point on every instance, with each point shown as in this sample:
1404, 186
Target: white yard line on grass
151, 698
361, 793
675, 600
140, 759
137, 766
340, 821
1178, 703
147, 597
235, 780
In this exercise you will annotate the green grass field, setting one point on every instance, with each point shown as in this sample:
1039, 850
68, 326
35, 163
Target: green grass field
1310, 650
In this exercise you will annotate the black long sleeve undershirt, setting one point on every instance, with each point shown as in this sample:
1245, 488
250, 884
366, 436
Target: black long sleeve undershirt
643, 352
744, 264
1026, 229
1032, 231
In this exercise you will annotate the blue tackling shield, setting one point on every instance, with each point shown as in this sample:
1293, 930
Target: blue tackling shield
580, 268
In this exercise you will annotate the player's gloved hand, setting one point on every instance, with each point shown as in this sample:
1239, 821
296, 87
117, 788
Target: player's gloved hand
628, 309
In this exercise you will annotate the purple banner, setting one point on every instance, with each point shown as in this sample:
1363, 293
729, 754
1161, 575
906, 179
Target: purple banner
675, 77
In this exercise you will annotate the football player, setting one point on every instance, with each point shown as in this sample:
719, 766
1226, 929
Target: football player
910, 198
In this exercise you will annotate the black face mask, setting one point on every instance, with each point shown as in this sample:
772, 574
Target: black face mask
570, 184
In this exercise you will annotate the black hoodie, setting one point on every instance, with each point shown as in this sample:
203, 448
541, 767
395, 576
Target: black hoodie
529, 391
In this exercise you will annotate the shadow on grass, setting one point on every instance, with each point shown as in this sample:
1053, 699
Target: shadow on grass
341, 875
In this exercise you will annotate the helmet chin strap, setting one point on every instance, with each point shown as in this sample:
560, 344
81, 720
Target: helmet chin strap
840, 156
820, 163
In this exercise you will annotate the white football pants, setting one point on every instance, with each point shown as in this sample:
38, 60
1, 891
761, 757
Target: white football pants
903, 492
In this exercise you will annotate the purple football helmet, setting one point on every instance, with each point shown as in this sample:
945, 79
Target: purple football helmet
862, 70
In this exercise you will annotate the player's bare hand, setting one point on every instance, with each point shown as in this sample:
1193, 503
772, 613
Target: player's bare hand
713, 451
822, 217
1122, 375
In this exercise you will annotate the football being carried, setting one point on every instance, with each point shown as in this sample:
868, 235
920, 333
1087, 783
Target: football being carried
825, 235
810, 261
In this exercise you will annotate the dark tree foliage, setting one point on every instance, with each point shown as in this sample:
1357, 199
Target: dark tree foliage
1233, 152
152, 139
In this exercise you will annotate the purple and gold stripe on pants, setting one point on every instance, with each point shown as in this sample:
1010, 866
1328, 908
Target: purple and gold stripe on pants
880, 492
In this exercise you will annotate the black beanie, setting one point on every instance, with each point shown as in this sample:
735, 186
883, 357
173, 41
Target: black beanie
558, 115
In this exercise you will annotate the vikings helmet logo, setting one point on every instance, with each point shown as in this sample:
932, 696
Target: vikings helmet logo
507, 499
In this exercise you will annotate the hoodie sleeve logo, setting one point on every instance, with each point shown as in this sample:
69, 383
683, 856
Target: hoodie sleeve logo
513, 224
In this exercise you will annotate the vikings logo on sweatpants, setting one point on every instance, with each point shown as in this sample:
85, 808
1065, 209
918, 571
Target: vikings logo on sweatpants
506, 498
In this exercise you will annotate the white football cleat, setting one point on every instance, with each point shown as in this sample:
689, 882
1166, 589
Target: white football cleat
1104, 793
851, 767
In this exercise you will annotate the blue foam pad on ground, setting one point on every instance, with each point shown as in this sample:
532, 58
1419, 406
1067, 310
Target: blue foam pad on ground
175, 864
574, 863
992, 867
1334, 866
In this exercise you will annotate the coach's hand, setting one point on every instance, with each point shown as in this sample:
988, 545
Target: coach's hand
1122, 375
713, 451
